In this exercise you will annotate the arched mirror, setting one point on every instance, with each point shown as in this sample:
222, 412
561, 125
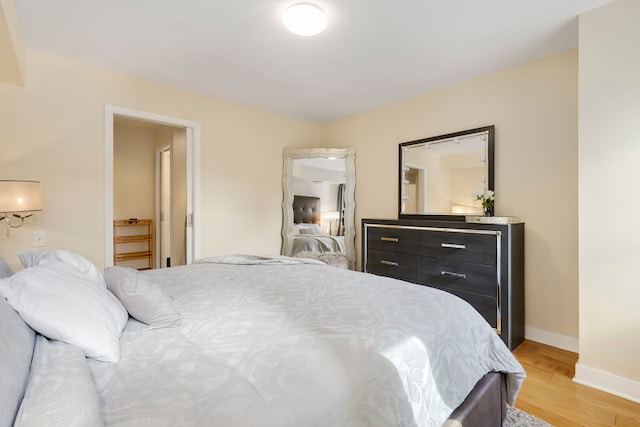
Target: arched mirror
318, 207
439, 175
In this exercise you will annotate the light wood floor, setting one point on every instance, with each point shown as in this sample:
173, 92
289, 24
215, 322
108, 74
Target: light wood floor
549, 393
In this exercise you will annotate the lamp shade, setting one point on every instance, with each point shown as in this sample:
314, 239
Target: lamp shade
20, 196
330, 215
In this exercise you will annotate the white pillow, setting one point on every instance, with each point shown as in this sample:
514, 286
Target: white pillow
61, 390
297, 228
142, 296
5, 270
59, 302
31, 259
315, 229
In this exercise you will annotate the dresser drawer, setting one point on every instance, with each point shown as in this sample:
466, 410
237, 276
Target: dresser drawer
486, 306
462, 276
393, 239
468, 247
393, 264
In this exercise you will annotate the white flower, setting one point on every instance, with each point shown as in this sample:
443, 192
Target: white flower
477, 194
486, 197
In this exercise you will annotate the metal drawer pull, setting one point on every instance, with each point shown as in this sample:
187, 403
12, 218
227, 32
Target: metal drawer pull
453, 246
391, 263
389, 239
456, 275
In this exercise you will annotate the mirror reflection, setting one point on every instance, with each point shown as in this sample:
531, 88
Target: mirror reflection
439, 175
318, 205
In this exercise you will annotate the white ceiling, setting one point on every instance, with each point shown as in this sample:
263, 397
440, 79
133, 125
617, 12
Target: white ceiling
372, 53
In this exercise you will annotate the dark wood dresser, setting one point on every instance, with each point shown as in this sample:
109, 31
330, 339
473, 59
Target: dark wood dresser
481, 263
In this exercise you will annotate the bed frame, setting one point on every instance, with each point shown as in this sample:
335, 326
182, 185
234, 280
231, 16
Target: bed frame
485, 406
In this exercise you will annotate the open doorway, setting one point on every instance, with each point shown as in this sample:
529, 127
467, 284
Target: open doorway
415, 189
134, 141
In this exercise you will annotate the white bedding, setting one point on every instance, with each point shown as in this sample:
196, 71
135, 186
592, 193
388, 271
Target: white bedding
293, 342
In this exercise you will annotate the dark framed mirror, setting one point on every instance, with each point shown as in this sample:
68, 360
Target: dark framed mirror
438, 176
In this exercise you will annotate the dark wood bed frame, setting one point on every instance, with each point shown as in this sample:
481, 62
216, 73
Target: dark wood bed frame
485, 406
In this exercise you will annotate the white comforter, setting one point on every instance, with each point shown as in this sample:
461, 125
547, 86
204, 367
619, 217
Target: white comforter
297, 343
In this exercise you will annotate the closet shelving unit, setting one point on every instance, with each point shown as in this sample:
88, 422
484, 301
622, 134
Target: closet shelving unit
134, 234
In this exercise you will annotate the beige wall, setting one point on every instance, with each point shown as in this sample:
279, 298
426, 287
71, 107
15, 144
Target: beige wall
534, 109
133, 171
11, 47
52, 130
609, 165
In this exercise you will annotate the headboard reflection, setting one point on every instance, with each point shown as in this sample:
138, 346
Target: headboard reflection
306, 210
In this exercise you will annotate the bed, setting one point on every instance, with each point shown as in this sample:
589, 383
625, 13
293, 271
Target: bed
246, 341
308, 239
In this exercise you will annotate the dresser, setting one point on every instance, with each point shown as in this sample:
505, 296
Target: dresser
481, 263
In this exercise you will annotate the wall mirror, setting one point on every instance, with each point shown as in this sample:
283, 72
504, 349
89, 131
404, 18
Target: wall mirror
318, 207
438, 175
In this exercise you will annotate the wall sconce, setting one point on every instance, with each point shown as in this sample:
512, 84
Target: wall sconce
17, 197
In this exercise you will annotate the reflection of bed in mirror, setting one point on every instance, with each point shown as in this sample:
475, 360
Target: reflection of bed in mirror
309, 238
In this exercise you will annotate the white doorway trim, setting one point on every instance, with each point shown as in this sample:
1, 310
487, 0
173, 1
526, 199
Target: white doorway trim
193, 175
421, 185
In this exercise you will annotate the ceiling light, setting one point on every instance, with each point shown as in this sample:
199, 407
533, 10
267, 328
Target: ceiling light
304, 19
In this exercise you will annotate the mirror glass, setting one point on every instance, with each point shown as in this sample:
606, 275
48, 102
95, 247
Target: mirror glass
318, 205
439, 175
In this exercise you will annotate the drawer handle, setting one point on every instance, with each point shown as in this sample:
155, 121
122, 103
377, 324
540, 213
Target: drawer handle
456, 275
453, 246
391, 263
389, 239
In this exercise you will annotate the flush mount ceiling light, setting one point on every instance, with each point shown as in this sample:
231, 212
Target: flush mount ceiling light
304, 19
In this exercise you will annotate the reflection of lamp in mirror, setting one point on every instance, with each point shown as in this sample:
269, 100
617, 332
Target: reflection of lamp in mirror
331, 218
19, 199
461, 209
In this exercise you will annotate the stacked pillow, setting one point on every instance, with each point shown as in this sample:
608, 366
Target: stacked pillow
308, 229
64, 297
142, 296
5, 270
16, 347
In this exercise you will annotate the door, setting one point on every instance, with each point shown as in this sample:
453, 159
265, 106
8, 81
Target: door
163, 165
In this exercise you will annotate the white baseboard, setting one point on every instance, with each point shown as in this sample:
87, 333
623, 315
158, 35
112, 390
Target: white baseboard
551, 338
607, 382
601, 380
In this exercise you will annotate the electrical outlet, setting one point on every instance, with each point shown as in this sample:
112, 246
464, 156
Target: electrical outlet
39, 238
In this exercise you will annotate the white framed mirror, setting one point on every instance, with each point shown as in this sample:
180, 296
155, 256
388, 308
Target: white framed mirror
318, 206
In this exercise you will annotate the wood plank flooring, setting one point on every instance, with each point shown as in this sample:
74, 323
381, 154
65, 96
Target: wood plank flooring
549, 393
